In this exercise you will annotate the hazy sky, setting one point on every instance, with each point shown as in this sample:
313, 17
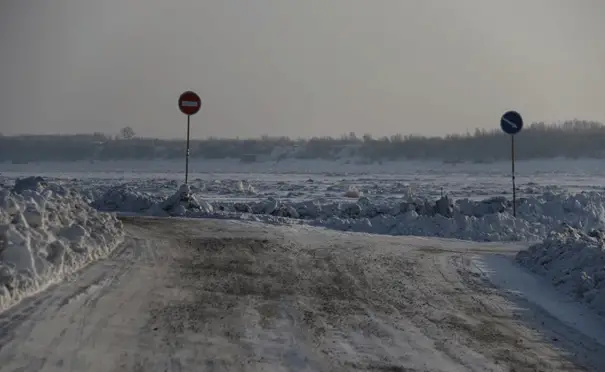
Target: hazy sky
297, 67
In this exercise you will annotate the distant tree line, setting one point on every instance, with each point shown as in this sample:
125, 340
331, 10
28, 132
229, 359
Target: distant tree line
571, 139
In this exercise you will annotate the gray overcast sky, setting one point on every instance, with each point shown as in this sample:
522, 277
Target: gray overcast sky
297, 67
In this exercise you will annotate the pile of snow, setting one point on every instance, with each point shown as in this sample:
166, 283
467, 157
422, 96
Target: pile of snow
352, 192
46, 233
125, 198
245, 188
486, 220
574, 261
229, 187
37, 184
181, 203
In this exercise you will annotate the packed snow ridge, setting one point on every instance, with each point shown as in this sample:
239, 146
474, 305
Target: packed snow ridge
487, 220
125, 198
46, 233
574, 261
179, 204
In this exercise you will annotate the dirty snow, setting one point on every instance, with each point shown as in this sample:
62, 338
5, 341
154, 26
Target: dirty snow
246, 296
46, 233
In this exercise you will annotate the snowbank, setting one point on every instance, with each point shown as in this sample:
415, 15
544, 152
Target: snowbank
46, 233
181, 203
574, 261
486, 220
125, 198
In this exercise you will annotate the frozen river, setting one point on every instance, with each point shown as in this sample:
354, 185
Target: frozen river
312, 179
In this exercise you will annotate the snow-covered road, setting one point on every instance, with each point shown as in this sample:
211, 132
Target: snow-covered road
217, 295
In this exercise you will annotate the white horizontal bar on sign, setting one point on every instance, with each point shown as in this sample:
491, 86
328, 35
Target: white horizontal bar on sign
189, 104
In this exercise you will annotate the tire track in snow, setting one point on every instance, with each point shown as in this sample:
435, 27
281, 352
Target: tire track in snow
221, 295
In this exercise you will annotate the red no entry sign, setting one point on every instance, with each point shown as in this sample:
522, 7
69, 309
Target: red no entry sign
190, 103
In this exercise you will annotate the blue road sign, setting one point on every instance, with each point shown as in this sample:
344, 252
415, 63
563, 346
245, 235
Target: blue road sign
511, 122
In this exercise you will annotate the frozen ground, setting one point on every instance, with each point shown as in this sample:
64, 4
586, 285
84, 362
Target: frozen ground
208, 295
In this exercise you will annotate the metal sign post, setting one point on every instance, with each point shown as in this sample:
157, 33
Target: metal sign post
189, 104
512, 123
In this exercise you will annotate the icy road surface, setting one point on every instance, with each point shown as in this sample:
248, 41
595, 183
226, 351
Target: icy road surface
204, 295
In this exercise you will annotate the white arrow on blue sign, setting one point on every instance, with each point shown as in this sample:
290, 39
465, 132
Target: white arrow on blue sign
511, 122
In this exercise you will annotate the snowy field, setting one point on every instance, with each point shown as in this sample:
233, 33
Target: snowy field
55, 223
